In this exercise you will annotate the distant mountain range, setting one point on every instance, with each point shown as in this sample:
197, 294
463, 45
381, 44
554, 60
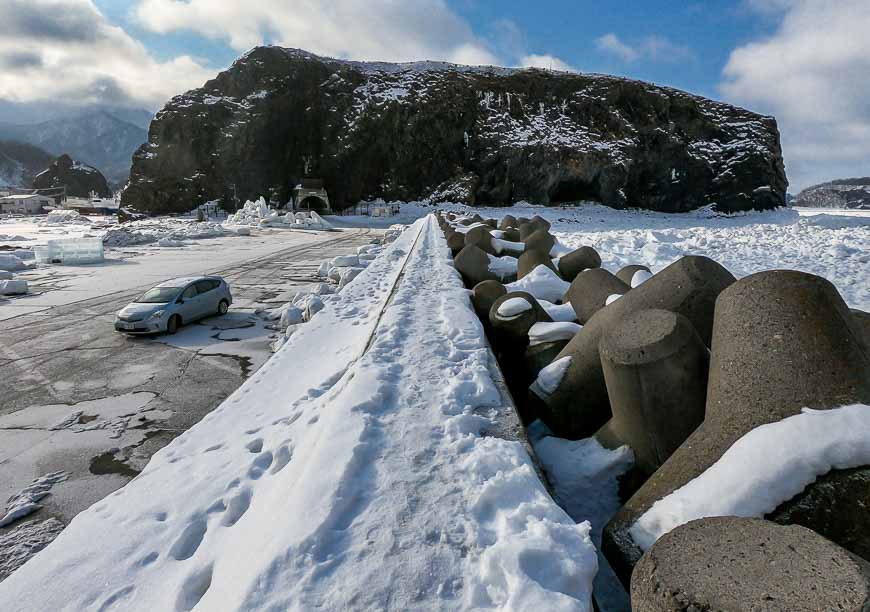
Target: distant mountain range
840, 193
20, 162
105, 139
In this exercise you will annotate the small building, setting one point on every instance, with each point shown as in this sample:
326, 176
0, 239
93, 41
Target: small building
25, 204
310, 194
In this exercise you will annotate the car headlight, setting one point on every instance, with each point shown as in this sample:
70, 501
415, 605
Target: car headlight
157, 314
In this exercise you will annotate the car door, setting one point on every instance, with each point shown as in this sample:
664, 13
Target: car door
208, 297
188, 306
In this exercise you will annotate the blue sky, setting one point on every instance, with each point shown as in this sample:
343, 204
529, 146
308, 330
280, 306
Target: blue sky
803, 61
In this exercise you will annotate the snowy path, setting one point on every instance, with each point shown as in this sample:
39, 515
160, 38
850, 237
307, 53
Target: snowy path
338, 476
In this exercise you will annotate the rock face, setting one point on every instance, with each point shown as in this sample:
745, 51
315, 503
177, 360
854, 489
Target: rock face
444, 132
80, 179
19, 162
842, 193
731, 563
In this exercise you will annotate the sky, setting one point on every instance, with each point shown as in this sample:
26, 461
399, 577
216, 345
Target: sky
803, 61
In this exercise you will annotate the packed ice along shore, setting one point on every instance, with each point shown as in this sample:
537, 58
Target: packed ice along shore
356, 469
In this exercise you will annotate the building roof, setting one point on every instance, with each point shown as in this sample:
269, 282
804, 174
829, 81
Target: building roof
25, 196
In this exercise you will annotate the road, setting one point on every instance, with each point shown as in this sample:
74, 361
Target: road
78, 397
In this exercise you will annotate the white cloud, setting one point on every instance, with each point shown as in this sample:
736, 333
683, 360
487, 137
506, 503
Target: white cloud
386, 30
549, 62
812, 75
76, 57
610, 43
652, 48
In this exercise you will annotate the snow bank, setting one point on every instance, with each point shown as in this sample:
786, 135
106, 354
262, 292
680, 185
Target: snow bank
542, 283
503, 267
351, 471
836, 247
60, 217
767, 466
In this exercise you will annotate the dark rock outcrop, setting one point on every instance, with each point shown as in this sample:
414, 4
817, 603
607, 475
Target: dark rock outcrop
444, 132
19, 162
80, 179
842, 193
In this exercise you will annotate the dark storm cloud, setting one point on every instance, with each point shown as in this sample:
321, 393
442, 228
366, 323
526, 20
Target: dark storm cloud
20, 60
55, 21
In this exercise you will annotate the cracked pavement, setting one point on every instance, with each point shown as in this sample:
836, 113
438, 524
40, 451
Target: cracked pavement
70, 381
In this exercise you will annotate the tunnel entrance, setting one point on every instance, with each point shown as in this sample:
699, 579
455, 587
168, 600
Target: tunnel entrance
313, 203
575, 190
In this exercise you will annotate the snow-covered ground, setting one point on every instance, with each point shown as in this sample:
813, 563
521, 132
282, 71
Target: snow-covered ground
365, 481
834, 244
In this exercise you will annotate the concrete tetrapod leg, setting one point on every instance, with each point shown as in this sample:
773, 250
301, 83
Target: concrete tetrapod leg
579, 406
484, 295
473, 264
782, 341
733, 563
655, 368
512, 320
539, 356
507, 221
573, 263
541, 240
511, 235
456, 242
540, 222
862, 320
481, 238
589, 291
529, 260
627, 273
527, 229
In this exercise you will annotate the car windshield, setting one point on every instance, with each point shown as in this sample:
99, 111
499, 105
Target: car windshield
159, 295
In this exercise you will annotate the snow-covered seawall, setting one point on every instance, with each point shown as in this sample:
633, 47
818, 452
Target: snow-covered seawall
352, 471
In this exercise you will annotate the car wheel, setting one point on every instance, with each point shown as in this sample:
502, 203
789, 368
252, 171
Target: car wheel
172, 324
223, 307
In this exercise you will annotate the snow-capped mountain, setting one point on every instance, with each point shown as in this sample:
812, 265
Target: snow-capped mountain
20, 162
97, 138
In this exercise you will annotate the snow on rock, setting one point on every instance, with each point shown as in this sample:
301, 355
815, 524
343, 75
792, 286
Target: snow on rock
25, 501
371, 433
503, 267
345, 261
13, 287
552, 332
11, 263
767, 466
347, 275
513, 307
612, 298
291, 315
559, 312
542, 283
500, 246
550, 377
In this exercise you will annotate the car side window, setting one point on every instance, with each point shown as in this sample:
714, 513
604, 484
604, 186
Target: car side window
203, 286
189, 293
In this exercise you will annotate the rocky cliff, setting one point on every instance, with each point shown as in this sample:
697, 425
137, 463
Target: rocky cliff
19, 162
80, 179
842, 193
445, 132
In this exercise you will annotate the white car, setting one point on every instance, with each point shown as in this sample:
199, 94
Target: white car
174, 303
